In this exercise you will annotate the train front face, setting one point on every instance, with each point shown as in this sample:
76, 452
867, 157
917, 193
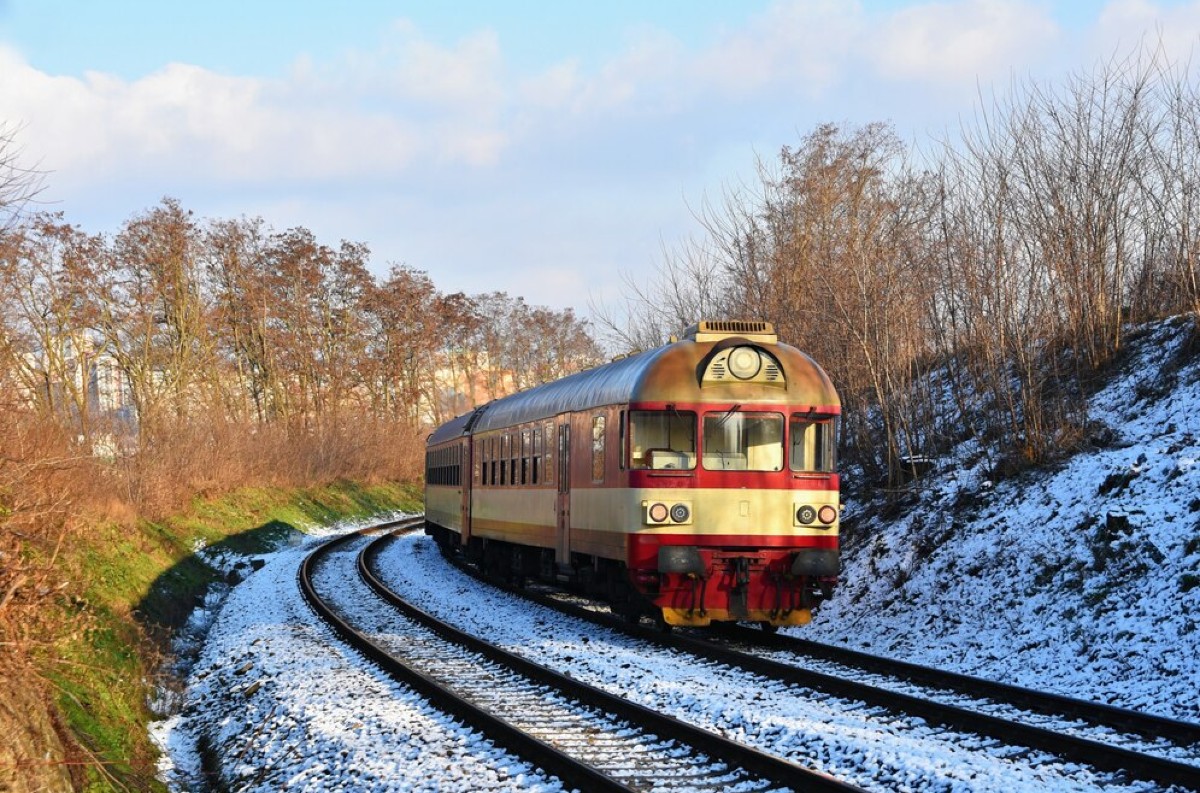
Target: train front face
733, 498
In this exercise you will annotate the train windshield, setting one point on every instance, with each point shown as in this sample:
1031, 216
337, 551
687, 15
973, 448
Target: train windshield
738, 441
662, 439
814, 443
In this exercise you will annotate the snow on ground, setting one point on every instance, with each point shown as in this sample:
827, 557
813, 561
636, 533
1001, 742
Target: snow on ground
1084, 579
1081, 580
286, 705
863, 745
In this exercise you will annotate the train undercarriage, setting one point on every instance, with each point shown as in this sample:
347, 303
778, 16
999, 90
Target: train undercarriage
691, 586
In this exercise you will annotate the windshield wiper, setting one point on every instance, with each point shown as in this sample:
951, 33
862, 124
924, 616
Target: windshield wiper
727, 415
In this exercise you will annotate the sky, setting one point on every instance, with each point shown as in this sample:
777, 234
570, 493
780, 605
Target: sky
550, 150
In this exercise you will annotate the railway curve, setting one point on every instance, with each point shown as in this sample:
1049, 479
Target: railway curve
1105, 754
589, 739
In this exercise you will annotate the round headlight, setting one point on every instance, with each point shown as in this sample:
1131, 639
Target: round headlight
744, 362
806, 515
827, 515
658, 513
680, 513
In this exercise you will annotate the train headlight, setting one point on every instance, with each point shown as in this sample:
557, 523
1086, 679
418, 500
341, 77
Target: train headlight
827, 515
658, 513
744, 362
806, 515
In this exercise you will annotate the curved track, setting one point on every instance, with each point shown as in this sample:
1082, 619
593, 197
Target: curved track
1174, 731
588, 738
1110, 753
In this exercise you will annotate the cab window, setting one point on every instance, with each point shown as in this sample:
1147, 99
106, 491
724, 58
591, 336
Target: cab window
662, 439
739, 441
814, 443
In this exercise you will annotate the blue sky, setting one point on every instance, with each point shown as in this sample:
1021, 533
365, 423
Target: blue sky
541, 149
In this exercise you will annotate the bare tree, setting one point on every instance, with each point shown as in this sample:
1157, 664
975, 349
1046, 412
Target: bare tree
46, 268
403, 340
19, 184
153, 316
239, 268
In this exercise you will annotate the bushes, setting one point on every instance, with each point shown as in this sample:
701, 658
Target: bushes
80, 565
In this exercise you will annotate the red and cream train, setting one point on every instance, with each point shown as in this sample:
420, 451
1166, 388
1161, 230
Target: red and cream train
695, 482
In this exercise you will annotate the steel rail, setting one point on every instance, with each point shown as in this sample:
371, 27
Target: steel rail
778, 770
1102, 756
537, 753
1180, 733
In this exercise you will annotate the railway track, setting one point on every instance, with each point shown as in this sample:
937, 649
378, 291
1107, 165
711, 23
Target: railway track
590, 739
1101, 736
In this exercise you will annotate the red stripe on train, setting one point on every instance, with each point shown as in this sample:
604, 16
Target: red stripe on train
733, 480
643, 548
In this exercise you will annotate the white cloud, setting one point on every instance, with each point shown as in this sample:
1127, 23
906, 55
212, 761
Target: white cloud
949, 43
1125, 26
365, 116
467, 79
811, 49
553, 87
378, 112
797, 43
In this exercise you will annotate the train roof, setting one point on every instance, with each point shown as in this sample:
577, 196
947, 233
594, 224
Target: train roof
455, 427
604, 385
664, 374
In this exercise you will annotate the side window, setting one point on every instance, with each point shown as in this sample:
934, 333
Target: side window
526, 453
814, 443
503, 459
548, 467
514, 454
598, 448
537, 456
622, 446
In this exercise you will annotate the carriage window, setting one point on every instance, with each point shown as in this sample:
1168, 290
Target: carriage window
738, 441
814, 443
598, 449
514, 454
526, 453
504, 459
662, 439
536, 456
548, 467
622, 449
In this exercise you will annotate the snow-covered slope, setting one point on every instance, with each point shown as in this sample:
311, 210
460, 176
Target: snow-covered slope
1084, 579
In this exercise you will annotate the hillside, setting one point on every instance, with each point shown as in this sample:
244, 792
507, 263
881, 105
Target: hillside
1082, 579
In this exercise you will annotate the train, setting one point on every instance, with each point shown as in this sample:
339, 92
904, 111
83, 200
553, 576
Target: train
694, 483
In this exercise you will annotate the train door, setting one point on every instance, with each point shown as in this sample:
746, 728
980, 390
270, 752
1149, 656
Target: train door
563, 555
466, 473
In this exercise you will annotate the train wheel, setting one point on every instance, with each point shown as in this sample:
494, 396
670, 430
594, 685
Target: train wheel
768, 627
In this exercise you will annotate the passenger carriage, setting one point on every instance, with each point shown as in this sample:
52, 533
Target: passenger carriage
695, 482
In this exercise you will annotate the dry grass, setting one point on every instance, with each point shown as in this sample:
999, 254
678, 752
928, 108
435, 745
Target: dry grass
49, 484
53, 492
207, 458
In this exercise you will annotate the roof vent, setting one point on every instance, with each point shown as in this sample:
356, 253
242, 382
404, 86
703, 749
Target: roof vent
715, 330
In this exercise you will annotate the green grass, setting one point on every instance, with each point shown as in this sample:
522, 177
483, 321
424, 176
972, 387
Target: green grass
139, 584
